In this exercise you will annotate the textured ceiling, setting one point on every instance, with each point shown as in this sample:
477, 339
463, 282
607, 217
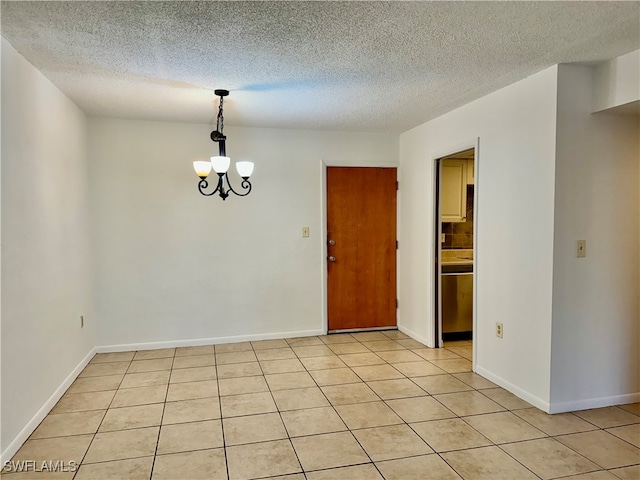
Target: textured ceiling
365, 66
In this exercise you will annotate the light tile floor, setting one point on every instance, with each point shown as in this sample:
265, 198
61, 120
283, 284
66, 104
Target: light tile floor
353, 406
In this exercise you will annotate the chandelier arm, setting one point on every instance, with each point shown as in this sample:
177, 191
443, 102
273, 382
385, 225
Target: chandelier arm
245, 184
203, 185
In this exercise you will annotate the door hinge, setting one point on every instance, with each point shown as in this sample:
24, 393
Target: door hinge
397, 303
397, 185
397, 244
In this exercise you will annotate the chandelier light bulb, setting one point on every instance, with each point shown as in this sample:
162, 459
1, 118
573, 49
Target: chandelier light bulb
245, 169
220, 164
202, 168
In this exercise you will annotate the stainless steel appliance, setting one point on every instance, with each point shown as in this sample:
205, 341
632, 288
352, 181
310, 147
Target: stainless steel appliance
457, 299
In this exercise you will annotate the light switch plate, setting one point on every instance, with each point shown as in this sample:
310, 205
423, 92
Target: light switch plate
305, 232
581, 248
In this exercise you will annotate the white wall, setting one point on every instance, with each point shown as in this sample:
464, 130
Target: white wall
617, 82
172, 265
45, 260
1, 449
514, 236
596, 311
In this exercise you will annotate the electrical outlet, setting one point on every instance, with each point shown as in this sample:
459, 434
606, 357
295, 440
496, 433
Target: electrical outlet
81, 321
581, 246
499, 330
305, 232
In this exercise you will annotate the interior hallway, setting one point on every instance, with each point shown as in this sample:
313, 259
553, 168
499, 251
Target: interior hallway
351, 406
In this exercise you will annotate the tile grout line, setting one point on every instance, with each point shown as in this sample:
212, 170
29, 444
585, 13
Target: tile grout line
403, 420
164, 406
224, 439
284, 425
138, 428
342, 419
462, 449
547, 436
405, 377
457, 416
409, 425
554, 437
380, 399
103, 417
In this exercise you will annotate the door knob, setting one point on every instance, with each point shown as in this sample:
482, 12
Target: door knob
332, 242
332, 258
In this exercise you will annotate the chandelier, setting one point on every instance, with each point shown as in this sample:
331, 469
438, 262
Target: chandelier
221, 162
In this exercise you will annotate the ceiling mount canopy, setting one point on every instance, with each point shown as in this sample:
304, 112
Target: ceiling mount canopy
221, 162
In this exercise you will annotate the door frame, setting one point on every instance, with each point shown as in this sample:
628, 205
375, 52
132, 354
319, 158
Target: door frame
324, 164
435, 318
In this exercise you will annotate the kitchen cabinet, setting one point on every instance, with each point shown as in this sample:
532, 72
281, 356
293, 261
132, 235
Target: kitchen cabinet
453, 194
470, 172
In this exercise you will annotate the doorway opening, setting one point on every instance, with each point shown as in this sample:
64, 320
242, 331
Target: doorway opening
454, 247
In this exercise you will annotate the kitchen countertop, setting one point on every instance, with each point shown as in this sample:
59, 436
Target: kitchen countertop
457, 257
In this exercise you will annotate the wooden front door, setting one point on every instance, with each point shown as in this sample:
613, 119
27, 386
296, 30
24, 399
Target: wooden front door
361, 248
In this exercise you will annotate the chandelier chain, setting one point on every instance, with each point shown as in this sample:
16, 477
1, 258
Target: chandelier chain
220, 120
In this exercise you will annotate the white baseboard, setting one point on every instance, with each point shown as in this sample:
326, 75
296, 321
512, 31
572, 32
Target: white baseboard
205, 341
29, 428
517, 391
414, 335
561, 407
